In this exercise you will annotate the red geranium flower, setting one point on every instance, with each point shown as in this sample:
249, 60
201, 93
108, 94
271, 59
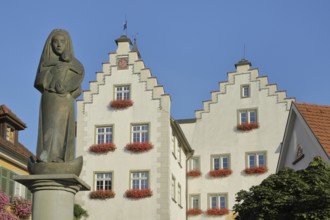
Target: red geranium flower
102, 194
194, 173
259, 169
248, 126
121, 103
220, 173
217, 211
138, 193
194, 212
102, 148
139, 147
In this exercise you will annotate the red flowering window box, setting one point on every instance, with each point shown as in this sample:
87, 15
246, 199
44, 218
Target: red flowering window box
102, 148
194, 212
248, 126
121, 103
253, 170
216, 211
194, 173
220, 173
138, 147
138, 193
102, 194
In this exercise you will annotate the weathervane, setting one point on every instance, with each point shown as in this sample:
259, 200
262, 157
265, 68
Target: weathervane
125, 26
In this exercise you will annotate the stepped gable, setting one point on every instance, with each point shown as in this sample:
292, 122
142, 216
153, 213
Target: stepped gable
244, 67
135, 65
317, 117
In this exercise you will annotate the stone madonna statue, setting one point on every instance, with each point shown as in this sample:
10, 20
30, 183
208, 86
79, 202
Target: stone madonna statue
59, 79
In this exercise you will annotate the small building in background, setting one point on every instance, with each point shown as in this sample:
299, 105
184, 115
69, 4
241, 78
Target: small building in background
13, 155
307, 135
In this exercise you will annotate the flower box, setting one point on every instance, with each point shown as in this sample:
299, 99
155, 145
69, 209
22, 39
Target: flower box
102, 194
253, 170
220, 173
102, 148
138, 147
120, 104
138, 193
194, 173
216, 211
194, 212
247, 126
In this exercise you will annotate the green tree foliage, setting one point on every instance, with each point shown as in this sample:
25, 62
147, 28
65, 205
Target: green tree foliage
289, 194
79, 212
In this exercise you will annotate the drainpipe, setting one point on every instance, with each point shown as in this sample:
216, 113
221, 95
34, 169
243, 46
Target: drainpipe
187, 196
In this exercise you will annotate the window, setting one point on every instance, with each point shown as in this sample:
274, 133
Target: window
194, 163
140, 133
245, 91
194, 201
122, 92
174, 146
218, 201
10, 134
140, 180
257, 159
179, 154
103, 181
173, 188
7, 182
247, 116
104, 135
220, 162
179, 194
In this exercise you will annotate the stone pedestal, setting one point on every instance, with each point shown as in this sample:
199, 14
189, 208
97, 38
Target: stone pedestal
53, 194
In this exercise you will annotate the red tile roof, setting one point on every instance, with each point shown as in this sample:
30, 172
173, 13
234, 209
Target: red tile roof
318, 119
5, 111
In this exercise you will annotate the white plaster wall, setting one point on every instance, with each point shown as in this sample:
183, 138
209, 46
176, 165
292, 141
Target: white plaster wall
215, 133
178, 170
302, 135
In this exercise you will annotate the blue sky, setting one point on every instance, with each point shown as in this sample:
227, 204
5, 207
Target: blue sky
188, 45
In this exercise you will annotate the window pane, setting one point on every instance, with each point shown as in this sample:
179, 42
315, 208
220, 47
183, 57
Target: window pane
243, 117
252, 160
216, 162
213, 202
195, 202
253, 116
104, 135
261, 160
225, 163
222, 202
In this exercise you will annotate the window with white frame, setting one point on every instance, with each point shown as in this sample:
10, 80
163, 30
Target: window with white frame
174, 146
103, 181
245, 91
194, 201
247, 116
139, 180
218, 201
122, 92
10, 134
104, 135
179, 153
220, 162
140, 133
173, 188
256, 159
179, 197
194, 163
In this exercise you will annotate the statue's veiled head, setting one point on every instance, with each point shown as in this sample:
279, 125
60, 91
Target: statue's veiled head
58, 46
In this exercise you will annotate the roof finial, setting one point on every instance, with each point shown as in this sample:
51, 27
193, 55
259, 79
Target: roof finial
125, 26
135, 49
244, 52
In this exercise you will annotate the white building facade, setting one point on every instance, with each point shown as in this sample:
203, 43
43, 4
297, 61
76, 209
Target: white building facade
126, 137
142, 164
236, 139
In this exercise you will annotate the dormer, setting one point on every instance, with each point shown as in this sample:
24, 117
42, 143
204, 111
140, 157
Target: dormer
10, 125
